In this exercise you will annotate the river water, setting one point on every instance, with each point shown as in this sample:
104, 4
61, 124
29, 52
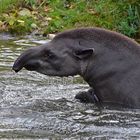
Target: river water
36, 106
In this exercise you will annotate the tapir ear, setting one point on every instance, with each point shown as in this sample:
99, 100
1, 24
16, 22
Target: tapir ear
85, 53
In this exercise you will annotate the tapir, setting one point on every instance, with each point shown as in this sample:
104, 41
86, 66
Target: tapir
108, 61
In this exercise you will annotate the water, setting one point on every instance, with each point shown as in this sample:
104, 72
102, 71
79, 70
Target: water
37, 106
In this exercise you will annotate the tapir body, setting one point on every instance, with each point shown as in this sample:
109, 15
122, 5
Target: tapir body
108, 61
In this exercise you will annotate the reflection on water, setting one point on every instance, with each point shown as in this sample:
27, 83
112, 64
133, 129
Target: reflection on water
37, 106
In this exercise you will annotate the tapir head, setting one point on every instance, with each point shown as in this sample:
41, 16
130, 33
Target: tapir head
59, 57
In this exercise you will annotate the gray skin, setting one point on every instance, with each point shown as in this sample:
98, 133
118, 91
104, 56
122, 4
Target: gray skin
108, 61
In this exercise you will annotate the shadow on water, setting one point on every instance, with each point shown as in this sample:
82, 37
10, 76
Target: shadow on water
37, 106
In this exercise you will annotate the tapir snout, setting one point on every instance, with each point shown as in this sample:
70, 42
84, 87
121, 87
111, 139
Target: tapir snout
28, 59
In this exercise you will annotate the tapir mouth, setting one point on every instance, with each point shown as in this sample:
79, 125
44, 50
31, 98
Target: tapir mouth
31, 66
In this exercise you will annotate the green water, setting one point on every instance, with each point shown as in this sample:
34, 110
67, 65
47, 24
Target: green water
37, 106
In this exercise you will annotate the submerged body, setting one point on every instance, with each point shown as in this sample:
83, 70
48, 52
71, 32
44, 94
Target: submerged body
109, 62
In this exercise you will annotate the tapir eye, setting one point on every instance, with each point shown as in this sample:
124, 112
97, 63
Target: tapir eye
49, 55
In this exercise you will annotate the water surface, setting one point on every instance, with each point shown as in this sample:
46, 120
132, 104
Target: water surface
33, 105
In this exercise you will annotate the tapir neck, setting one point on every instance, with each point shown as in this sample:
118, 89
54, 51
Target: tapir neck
112, 68
109, 61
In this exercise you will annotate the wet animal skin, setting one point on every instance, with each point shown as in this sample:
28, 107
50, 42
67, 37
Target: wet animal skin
108, 61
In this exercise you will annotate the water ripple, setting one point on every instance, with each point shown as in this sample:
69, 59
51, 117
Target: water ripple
36, 106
